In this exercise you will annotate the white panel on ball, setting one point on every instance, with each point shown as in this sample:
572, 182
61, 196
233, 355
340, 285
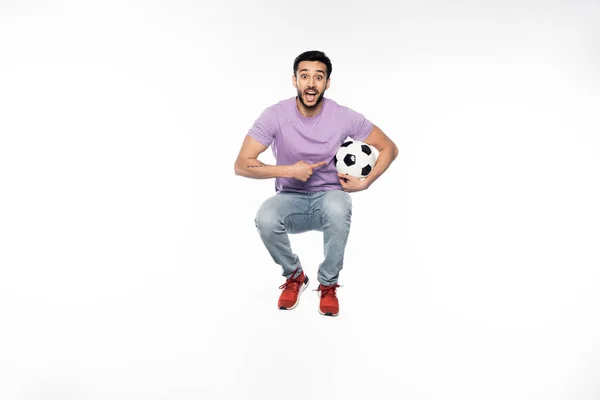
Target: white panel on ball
355, 158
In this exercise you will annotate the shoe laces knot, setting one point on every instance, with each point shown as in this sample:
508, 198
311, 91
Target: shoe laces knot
328, 290
292, 283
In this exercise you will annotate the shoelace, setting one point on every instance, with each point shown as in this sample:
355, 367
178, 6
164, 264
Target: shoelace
327, 290
292, 283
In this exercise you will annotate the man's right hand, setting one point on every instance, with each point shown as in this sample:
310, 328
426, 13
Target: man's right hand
303, 170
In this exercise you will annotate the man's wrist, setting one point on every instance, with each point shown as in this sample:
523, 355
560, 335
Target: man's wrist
286, 171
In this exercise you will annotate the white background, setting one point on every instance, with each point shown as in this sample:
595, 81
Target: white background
130, 267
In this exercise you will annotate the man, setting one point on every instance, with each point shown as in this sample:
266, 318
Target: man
305, 133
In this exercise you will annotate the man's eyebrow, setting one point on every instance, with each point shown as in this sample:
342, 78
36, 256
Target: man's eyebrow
304, 69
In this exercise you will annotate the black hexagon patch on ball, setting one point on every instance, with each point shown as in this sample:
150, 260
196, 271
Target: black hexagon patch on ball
355, 158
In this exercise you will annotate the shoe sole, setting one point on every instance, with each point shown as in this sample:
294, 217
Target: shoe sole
327, 314
302, 289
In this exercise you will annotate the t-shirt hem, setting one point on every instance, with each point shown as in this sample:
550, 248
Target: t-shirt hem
365, 135
259, 139
309, 190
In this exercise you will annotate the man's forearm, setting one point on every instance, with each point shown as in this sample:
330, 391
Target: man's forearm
253, 168
384, 159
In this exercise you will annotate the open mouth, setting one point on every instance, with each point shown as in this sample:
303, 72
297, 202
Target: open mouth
310, 95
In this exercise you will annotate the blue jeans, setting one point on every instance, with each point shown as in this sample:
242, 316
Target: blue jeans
328, 211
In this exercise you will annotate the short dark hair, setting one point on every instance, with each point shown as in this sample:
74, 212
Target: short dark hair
313, 55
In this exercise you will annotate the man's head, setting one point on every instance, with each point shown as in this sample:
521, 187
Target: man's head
312, 70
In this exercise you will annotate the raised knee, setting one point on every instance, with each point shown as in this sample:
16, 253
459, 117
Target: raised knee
338, 207
266, 220
337, 212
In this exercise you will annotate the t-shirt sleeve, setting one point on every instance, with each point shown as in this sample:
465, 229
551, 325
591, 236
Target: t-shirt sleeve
359, 127
264, 128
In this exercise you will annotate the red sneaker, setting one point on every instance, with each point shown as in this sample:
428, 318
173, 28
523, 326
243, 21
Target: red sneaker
329, 304
292, 289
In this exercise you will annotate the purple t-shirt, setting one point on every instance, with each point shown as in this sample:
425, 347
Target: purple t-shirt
294, 137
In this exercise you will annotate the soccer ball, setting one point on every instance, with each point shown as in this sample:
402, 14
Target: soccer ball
355, 158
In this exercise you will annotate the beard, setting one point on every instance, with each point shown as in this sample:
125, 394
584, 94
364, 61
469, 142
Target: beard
319, 99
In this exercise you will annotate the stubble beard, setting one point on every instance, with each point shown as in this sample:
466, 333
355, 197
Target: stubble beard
319, 99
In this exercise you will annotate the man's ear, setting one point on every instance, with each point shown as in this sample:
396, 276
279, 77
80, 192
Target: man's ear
294, 82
